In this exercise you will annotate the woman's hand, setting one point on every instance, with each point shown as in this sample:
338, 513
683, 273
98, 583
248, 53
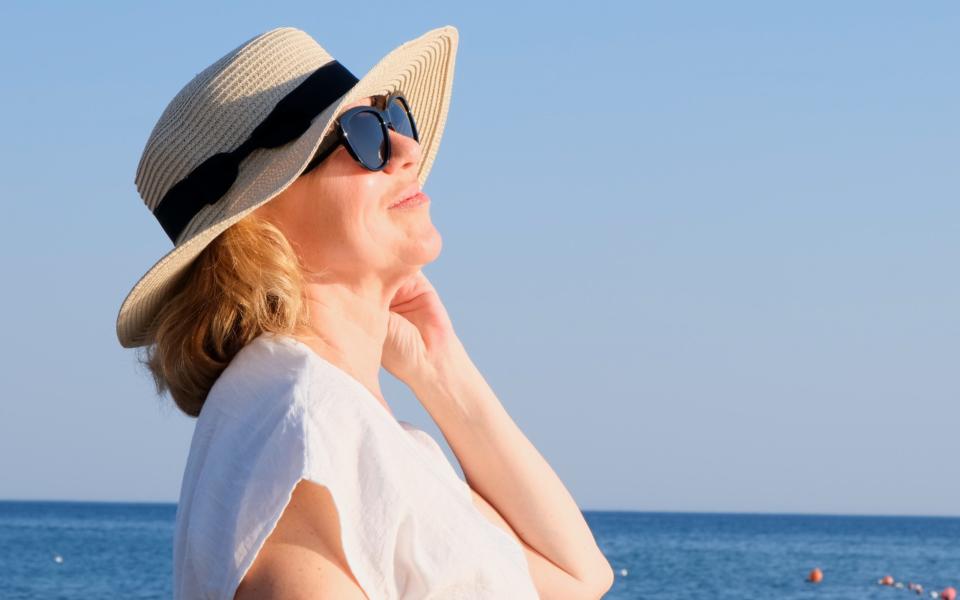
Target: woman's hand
419, 332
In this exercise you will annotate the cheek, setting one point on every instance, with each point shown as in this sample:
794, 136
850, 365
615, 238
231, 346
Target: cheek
351, 221
345, 214
363, 207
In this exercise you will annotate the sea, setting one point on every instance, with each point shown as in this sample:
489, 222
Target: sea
93, 550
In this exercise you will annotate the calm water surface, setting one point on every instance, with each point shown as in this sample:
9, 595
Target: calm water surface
118, 550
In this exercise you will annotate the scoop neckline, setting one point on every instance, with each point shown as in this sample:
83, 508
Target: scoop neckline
350, 379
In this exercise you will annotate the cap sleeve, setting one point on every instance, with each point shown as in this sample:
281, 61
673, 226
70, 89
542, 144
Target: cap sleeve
240, 476
250, 455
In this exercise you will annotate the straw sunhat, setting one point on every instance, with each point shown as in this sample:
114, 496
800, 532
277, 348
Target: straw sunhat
219, 111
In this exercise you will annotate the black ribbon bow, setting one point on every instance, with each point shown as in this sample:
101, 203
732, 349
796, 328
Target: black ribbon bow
288, 120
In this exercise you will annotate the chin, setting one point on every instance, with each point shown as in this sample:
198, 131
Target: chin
428, 246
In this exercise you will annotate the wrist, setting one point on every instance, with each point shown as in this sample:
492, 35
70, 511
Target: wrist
447, 364
450, 377
455, 393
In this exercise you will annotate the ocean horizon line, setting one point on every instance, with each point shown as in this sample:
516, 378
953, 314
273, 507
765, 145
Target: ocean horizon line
711, 513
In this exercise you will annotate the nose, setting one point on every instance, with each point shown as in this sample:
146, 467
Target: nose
405, 153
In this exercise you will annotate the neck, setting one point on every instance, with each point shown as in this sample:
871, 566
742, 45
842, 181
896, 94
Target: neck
348, 325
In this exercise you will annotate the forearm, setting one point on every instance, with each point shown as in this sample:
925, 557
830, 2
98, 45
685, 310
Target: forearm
504, 467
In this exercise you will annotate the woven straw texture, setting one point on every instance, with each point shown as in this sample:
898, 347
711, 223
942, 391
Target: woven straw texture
219, 108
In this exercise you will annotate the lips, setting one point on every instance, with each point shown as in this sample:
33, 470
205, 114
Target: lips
415, 200
411, 195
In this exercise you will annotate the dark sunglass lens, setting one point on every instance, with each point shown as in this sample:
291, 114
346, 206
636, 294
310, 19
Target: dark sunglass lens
365, 135
402, 120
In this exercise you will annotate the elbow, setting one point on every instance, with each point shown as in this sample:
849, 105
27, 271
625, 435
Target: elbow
603, 581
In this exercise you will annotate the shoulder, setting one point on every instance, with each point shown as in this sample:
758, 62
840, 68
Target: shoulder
269, 371
267, 429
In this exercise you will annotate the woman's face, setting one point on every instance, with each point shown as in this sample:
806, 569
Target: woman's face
337, 216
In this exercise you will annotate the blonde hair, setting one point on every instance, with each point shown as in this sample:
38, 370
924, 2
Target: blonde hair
247, 281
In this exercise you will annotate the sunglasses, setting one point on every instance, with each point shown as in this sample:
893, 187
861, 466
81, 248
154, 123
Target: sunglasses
364, 130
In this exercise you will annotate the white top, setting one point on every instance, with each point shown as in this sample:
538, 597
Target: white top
280, 412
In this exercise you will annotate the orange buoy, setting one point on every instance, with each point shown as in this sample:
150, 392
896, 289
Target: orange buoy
886, 580
815, 576
948, 594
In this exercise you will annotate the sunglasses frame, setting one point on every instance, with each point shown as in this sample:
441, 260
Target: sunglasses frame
340, 136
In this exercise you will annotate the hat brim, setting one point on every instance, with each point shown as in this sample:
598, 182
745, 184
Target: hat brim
422, 69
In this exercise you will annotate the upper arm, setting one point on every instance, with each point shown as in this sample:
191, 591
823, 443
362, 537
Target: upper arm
550, 580
303, 557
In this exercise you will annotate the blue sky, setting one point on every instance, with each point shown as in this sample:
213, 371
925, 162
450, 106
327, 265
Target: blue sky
705, 253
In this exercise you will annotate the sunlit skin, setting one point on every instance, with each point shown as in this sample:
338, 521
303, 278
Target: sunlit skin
361, 258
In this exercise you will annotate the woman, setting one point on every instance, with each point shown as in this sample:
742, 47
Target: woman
300, 233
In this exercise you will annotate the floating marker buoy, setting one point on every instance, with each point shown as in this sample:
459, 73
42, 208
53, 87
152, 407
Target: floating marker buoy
948, 594
57, 558
886, 580
623, 572
815, 576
